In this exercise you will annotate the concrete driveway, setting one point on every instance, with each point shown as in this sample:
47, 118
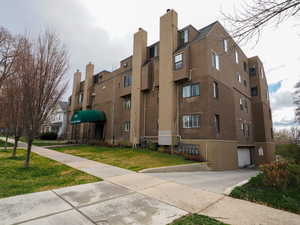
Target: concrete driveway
213, 181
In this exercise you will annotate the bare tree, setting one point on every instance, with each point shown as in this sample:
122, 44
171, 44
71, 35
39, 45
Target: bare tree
9, 50
12, 108
45, 63
249, 22
297, 101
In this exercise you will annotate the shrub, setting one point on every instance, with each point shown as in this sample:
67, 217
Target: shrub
125, 144
192, 157
290, 152
151, 145
48, 136
294, 173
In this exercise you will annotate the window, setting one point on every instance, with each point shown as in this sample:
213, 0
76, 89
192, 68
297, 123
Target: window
236, 57
191, 121
239, 78
254, 91
215, 61
241, 104
215, 90
246, 105
245, 67
127, 126
178, 60
217, 123
191, 90
127, 103
127, 80
153, 51
80, 98
225, 45
243, 128
245, 83
252, 71
247, 130
262, 73
185, 36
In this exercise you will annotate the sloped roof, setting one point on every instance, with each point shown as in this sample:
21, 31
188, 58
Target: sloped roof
205, 30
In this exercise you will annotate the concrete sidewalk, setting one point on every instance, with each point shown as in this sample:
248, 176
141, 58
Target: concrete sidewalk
126, 197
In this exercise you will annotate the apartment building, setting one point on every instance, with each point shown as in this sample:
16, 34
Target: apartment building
193, 87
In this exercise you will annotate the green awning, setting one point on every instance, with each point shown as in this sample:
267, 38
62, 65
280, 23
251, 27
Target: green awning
88, 116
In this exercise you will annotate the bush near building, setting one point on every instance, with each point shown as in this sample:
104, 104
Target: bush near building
278, 184
48, 136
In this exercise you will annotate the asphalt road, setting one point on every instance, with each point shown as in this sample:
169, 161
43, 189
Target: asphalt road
214, 181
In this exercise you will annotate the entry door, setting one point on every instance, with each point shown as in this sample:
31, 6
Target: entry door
99, 131
244, 158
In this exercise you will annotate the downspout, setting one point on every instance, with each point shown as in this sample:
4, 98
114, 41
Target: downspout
145, 99
113, 113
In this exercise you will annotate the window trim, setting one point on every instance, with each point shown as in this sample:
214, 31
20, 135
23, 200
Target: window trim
215, 61
179, 62
190, 94
127, 80
225, 45
126, 126
185, 34
236, 57
215, 90
217, 124
190, 121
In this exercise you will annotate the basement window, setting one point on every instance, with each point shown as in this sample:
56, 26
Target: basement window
178, 61
191, 121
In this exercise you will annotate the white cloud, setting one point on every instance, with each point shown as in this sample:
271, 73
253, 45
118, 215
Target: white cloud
102, 32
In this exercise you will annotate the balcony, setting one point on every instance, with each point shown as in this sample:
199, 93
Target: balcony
147, 76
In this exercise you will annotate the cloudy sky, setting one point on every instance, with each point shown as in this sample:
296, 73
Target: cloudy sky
102, 33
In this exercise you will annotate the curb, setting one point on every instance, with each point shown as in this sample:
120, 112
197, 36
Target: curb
229, 190
192, 167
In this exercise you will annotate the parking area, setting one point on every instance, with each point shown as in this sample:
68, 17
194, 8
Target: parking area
214, 181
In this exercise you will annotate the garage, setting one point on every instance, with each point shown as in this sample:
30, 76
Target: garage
244, 158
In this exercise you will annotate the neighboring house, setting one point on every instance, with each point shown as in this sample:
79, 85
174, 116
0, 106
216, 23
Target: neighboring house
57, 120
193, 87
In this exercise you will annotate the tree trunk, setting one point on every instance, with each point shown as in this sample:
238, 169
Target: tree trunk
29, 144
14, 153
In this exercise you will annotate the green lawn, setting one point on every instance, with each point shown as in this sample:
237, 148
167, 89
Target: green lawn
125, 157
256, 191
196, 219
43, 174
40, 142
2, 144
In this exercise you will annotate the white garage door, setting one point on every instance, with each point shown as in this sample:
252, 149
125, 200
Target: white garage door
244, 157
